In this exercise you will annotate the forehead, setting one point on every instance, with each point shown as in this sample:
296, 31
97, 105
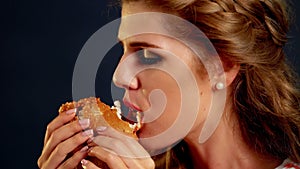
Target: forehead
138, 19
135, 7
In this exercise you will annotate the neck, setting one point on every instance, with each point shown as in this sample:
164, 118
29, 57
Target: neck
225, 149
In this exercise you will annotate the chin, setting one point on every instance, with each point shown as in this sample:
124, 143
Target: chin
154, 145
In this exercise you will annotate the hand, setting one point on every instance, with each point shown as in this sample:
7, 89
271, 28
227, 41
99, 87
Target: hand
117, 151
62, 137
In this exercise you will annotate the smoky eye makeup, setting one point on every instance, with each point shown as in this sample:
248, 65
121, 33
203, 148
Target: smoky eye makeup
147, 57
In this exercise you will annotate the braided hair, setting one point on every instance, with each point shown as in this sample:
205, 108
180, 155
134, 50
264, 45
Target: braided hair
252, 33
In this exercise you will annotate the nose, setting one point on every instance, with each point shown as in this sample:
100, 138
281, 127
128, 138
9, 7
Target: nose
125, 76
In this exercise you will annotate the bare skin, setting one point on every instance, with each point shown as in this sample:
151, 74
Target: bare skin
60, 139
224, 149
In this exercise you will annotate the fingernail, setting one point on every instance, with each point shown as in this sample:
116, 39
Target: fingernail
83, 162
84, 149
90, 140
71, 111
90, 150
89, 133
84, 123
101, 128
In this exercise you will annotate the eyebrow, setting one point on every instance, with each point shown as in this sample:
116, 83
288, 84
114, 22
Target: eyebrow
140, 45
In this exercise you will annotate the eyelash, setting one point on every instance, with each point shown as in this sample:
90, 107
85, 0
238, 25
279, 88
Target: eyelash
153, 59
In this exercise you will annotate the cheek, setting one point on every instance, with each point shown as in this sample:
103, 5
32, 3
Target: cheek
205, 94
154, 79
157, 80
205, 102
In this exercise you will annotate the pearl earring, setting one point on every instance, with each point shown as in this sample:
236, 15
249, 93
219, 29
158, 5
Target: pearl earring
220, 86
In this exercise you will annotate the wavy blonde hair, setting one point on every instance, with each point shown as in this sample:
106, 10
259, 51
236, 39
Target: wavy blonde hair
252, 33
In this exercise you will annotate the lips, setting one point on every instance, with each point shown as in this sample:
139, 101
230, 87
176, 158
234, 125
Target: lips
134, 114
131, 105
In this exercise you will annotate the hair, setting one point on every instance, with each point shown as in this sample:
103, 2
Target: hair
252, 34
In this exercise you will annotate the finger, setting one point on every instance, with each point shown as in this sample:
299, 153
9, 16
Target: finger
59, 121
64, 133
111, 159
113, 148
116, 140
67, 131
86, 164
73, 161
114, 145
128, 149
111, 132
63, 149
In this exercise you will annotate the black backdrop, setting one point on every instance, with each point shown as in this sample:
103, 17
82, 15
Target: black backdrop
40, 41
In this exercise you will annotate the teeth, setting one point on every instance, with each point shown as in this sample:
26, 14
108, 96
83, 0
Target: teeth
133, 116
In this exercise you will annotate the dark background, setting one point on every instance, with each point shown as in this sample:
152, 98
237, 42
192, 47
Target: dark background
40, 41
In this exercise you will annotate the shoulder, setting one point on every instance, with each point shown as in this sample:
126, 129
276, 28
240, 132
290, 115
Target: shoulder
288, 164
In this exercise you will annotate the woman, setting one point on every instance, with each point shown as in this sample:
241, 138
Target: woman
260, 125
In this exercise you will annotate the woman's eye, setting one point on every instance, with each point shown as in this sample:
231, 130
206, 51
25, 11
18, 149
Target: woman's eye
148, 58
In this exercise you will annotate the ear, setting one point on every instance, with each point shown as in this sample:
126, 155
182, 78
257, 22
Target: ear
231, 73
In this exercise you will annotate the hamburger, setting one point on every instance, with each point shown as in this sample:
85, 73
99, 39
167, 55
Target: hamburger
101, 114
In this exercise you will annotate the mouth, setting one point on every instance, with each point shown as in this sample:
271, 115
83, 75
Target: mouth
133, 114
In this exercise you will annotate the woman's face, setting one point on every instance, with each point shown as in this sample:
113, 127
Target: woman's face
141, 73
